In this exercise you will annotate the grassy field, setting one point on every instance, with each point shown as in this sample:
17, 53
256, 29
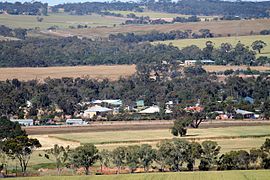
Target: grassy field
96, 72
153, 14
215, 68
211, 175
62, 20
234, 28
229, 138
247, 40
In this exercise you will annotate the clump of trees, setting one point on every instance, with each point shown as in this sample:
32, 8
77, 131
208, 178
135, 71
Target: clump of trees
159, 36
26, 8
15, 144
17, 32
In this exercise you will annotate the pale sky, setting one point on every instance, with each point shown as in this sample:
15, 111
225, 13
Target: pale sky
54, 2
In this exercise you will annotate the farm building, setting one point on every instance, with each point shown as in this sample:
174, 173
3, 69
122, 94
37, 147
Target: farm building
114, 102
246, 114
95, 111
75, 122
194, 62
24, 122
153, 109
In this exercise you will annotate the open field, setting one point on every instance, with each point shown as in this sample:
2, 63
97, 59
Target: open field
153, 14
96, 72
247, 40
215, 68
209, 175
156, 135
229, 138
62, 20
238, 28
112, 72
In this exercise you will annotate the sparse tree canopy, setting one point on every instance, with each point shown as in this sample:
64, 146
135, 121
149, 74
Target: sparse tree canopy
59, 154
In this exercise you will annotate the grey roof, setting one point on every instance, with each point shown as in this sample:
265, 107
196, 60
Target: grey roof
98, 109
243, 112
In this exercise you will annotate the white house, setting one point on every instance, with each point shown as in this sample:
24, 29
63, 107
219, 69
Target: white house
95, 110
24, 122
153, 109
75, 122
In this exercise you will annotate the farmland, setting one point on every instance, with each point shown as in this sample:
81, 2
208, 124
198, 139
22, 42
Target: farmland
153, 14
62, 20
96, 72
239, 28
112, 72
211, 175
231, 138
247, 40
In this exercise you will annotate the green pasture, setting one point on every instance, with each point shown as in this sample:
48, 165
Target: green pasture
247, 40
62, 20
211, 175
155, 135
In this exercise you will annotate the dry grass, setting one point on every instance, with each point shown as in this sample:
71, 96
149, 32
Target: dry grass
96, 72
243, 27
215, 68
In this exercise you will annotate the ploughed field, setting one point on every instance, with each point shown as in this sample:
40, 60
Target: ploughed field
96, 72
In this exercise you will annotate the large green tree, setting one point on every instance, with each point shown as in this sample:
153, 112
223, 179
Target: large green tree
84, 156
21, 148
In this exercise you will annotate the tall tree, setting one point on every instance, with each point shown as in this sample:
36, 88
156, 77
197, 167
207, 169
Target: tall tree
21, 148
258, 45
84, 156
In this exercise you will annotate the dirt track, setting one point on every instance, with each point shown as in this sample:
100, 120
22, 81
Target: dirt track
142, 125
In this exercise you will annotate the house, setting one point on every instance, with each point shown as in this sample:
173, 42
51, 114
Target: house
194, 62
154, 109
95, 110
114, 102
75, 122
24, 122
246, 114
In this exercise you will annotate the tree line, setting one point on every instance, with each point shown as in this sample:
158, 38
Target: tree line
26, 8
194, 7
121, 49
147, 20
161, 36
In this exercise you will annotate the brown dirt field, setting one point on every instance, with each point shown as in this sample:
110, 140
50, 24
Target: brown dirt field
214, 68
239, 28
96, 72
143, 125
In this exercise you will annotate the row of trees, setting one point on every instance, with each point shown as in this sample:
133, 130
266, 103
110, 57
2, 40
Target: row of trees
160, 36
170, 155
191, 7
26, 8
147, 20
75, 51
